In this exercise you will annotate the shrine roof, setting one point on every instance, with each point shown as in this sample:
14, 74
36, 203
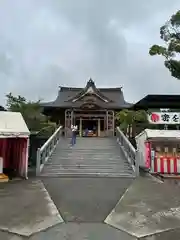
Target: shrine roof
158, 101
69, 97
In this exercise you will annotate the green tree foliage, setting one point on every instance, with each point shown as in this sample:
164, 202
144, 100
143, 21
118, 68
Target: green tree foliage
127, 118
32, 114
170, 34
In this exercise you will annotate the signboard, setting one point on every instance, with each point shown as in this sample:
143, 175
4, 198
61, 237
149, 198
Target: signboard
164, 118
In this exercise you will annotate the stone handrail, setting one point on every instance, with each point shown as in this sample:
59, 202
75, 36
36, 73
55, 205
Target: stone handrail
44, 152
129, 151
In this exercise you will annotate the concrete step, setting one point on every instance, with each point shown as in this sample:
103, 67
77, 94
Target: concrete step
58, 166
100, 157
88, 169
88, 174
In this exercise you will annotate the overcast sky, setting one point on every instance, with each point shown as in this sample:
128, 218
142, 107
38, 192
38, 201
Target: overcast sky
47, 43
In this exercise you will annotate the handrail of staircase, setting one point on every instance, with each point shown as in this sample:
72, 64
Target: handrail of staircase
45, 151
130, 152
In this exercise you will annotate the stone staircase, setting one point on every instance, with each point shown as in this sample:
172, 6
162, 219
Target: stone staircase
100, 157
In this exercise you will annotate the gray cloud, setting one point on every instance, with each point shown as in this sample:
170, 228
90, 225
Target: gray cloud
45, 43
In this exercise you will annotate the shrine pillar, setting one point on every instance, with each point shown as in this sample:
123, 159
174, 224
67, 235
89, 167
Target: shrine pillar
99, 127
80, 128
106, 122
68, 122
109, 123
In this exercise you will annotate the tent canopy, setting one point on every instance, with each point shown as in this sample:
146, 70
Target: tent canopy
12, 124
160, 134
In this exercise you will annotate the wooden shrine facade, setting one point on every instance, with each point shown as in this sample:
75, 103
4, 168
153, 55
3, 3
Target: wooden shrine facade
91, 109
103, 120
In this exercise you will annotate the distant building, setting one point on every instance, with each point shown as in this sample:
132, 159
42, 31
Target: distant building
158, 101
89, 107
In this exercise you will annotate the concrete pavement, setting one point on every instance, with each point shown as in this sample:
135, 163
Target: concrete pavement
74, 231
82, 231
10, 236
86, 199
26, 208
148, 208
88, 231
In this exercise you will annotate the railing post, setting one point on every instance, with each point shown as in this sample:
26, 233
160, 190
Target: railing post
137, 159
46, 150
129, 151
38, 161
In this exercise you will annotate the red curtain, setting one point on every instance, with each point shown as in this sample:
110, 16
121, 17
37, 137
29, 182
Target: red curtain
14, 154
4, 151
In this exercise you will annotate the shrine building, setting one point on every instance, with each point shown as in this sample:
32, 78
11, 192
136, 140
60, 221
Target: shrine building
158, 101
92, 109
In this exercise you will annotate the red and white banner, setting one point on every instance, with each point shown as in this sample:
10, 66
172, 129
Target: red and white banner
147, 155
164, 118
165, 165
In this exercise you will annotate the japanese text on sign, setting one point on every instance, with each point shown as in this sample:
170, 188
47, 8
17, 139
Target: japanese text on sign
164, 118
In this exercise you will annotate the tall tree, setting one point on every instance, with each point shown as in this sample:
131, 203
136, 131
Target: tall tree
31, 112
128, 118
170, 34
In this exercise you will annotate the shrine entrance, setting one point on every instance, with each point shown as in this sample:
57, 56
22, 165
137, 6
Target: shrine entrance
91, 123
89, 127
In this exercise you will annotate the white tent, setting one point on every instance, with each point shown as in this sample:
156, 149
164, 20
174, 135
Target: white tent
12, 124
14, 141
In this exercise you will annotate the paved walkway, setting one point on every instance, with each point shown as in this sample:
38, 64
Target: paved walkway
149, 207
31, 211
148, 210
26, 208
86, 199
86, 206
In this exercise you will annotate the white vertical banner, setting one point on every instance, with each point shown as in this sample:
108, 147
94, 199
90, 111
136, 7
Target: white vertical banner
164, 118
1, 165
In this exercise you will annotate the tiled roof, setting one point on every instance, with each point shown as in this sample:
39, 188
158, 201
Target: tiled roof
66, 94
158, 101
